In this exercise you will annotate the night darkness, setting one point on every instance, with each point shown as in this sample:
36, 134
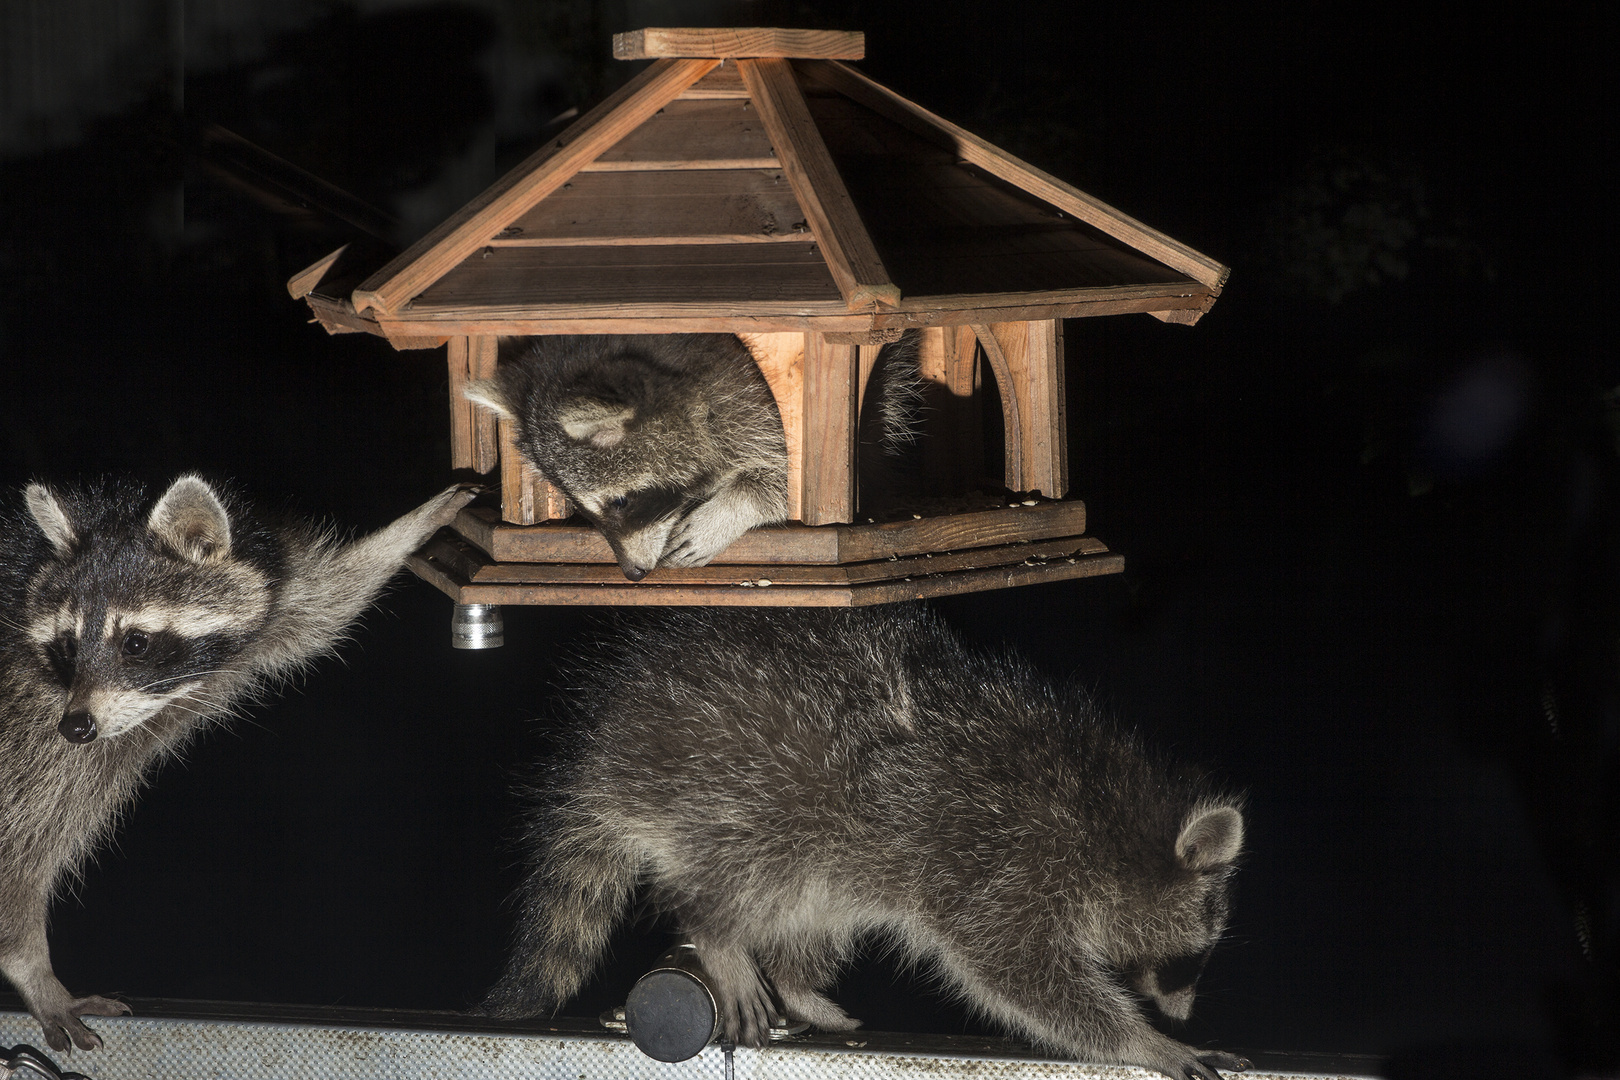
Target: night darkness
1370, 505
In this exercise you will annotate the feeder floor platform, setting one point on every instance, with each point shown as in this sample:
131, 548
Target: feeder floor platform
481, 560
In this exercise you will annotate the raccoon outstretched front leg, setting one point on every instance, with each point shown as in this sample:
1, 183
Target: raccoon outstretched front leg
710, 527
25, 960
1074, 1005
333, 582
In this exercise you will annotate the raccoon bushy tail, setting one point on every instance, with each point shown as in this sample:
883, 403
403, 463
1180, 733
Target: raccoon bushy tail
574, 897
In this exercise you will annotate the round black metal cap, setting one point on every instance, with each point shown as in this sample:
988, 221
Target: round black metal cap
670, 1015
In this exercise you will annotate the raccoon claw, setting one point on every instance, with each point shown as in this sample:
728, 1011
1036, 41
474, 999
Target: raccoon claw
1203, 1068
453, 500
65, 1027
1225, 1062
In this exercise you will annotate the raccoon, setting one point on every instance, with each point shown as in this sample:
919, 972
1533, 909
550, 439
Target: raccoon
788, 783
129, 622
670, 444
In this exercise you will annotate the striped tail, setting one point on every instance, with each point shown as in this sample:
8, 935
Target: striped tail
573, 899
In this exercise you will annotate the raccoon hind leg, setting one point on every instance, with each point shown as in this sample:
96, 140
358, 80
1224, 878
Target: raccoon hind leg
740, 991
574, 896
798, 974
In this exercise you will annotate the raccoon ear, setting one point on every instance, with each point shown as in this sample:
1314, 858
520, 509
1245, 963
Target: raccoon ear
191, 521
591, 420
1210, 837
488, 393
51, 519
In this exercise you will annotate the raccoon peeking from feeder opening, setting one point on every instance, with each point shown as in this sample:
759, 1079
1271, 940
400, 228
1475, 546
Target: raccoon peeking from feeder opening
671, 445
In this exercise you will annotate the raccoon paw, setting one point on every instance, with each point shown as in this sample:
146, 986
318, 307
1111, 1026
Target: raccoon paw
1183, 1062
450, 501
62, 1025
744, 1001
709, 528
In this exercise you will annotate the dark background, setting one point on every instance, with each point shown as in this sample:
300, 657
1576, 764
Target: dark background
1368, 504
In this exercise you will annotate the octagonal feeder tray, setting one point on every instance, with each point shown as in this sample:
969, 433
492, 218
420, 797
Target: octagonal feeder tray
750, 181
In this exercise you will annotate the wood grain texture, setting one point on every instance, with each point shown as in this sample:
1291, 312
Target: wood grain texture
652, 42
1012, 407
304, 282
724, 81
780, 358
998, 162
443, 564
953, 451
851, 256
709, 206
1184, 317
717, 277
474, 433
461, 410
693, 134
1031, 353
425, 261
793, 543
831, 376
653, 312
486, 437
850, 574
527, 498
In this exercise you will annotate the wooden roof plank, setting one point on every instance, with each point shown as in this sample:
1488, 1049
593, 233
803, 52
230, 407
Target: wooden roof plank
851, 256
649, 208
693, 134
659, 41
721, 275
699, 317
304, 282
999, 163
543, 172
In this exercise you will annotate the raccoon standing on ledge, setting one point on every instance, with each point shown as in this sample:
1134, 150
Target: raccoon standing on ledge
787, 783
130, 622
670, 444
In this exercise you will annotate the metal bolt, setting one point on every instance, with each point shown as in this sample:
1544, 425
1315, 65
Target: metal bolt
477, 626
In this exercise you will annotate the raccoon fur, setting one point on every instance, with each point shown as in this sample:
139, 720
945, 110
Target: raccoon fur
130, 619
670, 444
789, 783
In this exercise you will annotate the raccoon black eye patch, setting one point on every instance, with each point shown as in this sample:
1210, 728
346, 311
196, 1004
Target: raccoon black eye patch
638, 509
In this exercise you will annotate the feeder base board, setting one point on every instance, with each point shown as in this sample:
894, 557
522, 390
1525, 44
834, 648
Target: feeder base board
469, 576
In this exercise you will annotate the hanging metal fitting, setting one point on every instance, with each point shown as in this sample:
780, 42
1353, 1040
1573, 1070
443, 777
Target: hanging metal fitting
477, 626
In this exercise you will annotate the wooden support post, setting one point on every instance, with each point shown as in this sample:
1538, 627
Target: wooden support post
953, 443
781, 359
851, 257
527, 498
831, 378
1012, 423
474, 441
1027, 358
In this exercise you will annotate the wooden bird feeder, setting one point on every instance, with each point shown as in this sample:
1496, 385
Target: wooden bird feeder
751, 181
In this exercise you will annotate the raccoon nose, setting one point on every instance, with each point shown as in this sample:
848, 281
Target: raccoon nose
634, 573
79, 726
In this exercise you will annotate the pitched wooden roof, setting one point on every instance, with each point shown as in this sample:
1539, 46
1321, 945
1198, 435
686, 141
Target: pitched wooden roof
764, 184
